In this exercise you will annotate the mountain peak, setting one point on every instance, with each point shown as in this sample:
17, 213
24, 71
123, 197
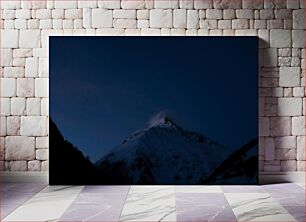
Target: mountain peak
161, 118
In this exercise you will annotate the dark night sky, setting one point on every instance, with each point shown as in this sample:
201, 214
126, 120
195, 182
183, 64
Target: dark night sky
104, 88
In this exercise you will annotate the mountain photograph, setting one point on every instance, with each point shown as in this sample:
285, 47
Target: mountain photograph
138, 111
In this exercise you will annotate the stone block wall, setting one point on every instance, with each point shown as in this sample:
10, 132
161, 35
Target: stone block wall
26, 25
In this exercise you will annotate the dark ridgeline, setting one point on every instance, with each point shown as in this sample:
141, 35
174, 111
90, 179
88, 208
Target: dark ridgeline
68, 166
241, 167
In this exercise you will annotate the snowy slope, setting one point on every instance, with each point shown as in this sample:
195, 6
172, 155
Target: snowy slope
241, 167
162, 153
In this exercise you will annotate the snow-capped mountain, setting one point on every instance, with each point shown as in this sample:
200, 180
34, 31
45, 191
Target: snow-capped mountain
162, 153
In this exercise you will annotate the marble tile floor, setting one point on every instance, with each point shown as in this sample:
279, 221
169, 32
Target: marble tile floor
39, 202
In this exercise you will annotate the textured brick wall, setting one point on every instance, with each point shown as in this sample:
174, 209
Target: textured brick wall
25, 26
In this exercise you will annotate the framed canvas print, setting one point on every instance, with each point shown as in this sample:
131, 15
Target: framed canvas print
153, 110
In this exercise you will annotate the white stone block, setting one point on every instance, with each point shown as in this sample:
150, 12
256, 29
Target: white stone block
41, 52
18, 106
280, 38
227, 4
18, 166
192, 19
33, 106
109, 32
179, 18
178, 32
45, 107
87, 18
289, 106
298, 126
270, 57
102, 18
298, 19
45, 165
29, 38
285, 154
23, 14
186, 4
73, 13
285, 142
280, 126
25, 87
289, 76
58, 13
9, 38
264, 126
13, 125
43, 13
33, 23
41, 87
8, 24
8, 14
5, 106
264, 38
245, 14
42, 154
109, 4
133, 4
252, 4
124, 13
22, 53
269, 149
301, 148
143, 14
20, 23
150, 32
31, 67
33, 126
33, 4
142, 24
6, 57
42, 142
58, 23
288, 165
66, 4
34, 165
301, 166
125, 23
298, 38
240, 24
160, 18
8, 87
298, 92
46, 24
229, 14
166, 4
203, 4
78, 27
3, 132
293, 4
19, 148
13, 72
10, 4
68, 24
132, 32
165, 32
87, 4
214, 14
224, 24
43, 69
